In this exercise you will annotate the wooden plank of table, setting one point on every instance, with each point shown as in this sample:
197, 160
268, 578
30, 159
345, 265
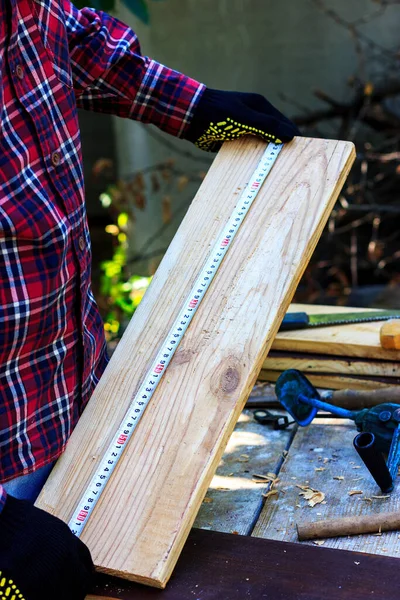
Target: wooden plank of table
221, 566
335, 365
337, 382
234, 498
141, 522
319, 455
361, 339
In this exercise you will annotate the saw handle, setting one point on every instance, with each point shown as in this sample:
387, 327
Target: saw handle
293, 321
390, 335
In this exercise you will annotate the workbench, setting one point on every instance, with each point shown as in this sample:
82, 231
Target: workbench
227, 566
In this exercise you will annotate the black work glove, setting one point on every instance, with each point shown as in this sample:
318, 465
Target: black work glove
221, 116
40, 559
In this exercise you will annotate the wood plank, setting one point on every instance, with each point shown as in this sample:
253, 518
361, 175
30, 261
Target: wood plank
337, 382
328, 447
360, 339
141, 522
220, 566
324, 364
234, 500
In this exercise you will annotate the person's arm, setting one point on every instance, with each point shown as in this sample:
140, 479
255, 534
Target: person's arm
110, 74
40, 557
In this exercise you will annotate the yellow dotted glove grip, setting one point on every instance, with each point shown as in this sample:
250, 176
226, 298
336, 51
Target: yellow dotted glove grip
8, 589
230, 130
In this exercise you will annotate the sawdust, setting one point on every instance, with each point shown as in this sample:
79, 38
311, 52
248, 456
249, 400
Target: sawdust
313, 496
381, 497
271, 493
263, 478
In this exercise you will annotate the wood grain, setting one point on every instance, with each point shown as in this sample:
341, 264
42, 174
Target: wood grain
335, 365
142, 520
390, 335
338, 382
323, 457
234, 500
360, 339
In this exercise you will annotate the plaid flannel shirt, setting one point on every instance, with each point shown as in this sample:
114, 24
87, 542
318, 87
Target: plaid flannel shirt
54, 58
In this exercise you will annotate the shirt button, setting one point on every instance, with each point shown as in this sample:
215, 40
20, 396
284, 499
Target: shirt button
19, 72
81, 242
55, 158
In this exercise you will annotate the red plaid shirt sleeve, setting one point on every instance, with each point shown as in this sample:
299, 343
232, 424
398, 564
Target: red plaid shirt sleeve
52, 350
110, 74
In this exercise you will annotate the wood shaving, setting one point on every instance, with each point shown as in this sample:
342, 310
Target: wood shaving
270, 493
380, 497
223, 489
354, 492
207, 500
356, 467
245, 456
319, 542
326, 460
367, 499
313, 496
338, 477
243, 460
320, 469
267, 477
379, 531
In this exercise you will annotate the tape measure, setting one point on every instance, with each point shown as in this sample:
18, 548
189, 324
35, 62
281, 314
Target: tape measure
171, 343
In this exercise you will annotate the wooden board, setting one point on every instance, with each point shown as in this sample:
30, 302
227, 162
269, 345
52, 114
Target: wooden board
220, 566
144, 516
338, 382
328, 447
336, 365
234, 499
360, 339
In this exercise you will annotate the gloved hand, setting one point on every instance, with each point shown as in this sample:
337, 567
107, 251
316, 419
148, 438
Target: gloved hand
221, 116
40, 559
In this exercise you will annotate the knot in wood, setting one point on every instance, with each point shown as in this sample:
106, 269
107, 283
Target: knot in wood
230, 380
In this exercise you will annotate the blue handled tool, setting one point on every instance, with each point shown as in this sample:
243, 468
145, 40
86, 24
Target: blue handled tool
379, 425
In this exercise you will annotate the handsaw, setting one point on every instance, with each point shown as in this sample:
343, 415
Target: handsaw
302, 320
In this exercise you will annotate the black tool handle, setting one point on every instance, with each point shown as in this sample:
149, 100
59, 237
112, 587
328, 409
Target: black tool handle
373, 459
295, 320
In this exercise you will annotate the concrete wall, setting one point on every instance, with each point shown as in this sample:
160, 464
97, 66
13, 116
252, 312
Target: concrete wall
264, 46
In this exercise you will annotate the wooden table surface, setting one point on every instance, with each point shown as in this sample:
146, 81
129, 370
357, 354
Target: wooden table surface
320, 456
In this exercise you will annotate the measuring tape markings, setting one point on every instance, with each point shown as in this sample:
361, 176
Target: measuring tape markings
153, 376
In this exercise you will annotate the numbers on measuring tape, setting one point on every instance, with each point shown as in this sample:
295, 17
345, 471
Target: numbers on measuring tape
169, 346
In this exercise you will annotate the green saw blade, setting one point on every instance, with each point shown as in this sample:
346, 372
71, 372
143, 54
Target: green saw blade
352, 317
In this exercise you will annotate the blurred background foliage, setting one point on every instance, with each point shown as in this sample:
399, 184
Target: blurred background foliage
357, 261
